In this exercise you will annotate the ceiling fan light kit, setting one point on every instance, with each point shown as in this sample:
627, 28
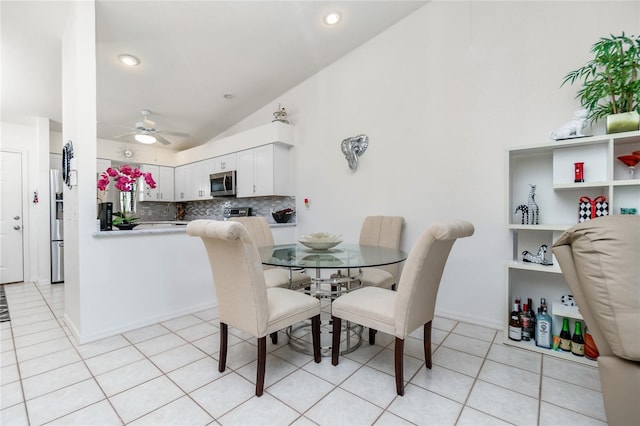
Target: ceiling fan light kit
145, 131
145, 137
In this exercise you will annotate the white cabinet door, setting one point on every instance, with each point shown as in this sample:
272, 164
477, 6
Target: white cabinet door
191, 187
164, 190
263, 171
225, 163
166, 185
244, 174
204, 170
179, 187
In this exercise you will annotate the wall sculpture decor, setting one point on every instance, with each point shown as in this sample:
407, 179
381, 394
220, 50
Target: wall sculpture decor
354, 147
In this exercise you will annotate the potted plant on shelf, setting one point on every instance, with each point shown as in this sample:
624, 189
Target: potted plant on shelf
126, 180
611, 85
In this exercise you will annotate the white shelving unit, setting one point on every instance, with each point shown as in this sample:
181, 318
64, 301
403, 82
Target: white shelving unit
551, 168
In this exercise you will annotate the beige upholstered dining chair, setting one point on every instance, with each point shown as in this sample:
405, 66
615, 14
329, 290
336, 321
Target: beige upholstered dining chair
381, 231
600, 262
260, 232
401, 312
244, 301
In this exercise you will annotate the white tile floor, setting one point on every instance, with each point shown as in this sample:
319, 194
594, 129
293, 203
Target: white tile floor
166, 374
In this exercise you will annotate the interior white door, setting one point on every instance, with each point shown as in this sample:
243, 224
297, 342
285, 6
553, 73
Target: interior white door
11, 243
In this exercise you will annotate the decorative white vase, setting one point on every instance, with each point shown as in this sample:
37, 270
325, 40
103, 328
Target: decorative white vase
623, 122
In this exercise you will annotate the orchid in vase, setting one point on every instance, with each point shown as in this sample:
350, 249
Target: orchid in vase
126, 180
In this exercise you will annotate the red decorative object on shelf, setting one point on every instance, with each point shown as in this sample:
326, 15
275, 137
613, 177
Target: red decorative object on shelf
579, 172
631, 161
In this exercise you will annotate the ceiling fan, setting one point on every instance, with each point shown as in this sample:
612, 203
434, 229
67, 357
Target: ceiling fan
145, 131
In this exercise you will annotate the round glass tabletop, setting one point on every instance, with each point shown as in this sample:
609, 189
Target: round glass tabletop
342, 256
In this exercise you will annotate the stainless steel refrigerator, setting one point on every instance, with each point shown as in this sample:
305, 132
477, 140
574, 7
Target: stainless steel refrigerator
57, 226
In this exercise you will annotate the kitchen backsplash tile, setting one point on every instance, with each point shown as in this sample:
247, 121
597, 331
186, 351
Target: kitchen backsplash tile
212, 209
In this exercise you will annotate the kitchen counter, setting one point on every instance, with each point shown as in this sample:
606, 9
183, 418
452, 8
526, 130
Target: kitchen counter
171, 227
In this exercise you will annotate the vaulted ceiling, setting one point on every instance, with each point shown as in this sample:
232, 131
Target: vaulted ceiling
192, 54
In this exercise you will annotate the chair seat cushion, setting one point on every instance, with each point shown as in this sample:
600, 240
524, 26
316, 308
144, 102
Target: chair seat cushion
377, 278
369, 306
286, 307
278, 277
374, 277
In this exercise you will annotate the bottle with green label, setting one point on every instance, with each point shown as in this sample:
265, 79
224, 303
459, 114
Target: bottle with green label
565, 336
577, 342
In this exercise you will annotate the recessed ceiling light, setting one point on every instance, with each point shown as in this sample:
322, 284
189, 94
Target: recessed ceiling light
145, 138
332, 18
129, 60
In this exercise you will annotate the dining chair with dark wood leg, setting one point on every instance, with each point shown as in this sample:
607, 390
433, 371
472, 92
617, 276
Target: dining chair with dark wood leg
400, 312
244, 300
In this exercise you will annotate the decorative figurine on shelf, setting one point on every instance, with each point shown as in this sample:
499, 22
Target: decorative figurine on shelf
525, 213
530, 211
354, 147
533, 206
573, 128
539, 258
280, 115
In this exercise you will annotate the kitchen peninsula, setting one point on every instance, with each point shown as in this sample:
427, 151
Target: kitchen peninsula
159, 273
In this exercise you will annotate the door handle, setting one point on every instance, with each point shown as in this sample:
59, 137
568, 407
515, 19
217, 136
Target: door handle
16, 227
16, 218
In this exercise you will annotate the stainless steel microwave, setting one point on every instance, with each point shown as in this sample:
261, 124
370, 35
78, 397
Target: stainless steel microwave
223, 184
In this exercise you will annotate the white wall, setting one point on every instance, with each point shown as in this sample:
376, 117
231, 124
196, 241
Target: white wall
441, 95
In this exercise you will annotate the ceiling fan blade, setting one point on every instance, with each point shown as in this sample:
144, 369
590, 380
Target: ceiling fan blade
125, 134
179, 134
162, 140
108, 125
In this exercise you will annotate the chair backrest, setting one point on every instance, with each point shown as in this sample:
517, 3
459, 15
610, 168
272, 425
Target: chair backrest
258, 229
600, 260
237, 274
420, 279
382, 231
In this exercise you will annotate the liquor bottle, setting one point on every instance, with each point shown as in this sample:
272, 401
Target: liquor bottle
526, 323
520, 313
543, 328
577, 342
532, 323
515, 328
543, 303
565, 335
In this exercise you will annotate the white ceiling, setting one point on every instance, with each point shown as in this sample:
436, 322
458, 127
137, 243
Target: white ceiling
191, 52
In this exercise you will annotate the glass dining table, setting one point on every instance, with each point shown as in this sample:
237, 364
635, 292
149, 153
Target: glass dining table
342, 266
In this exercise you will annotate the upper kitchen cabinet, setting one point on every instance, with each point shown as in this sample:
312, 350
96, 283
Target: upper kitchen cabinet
225, 163
192, 181
164, 190
263, 171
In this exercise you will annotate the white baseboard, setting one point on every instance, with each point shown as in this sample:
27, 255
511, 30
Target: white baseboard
81, 340
472, 319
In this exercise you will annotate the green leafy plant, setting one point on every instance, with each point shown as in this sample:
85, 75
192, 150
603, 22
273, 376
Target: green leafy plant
610, 79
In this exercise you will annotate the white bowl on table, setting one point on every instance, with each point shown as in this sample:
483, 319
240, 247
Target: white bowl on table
320, 240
